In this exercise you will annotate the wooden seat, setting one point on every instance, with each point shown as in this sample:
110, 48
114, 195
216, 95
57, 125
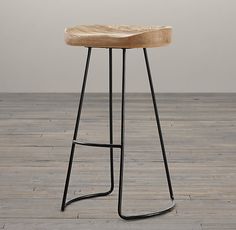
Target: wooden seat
118, 36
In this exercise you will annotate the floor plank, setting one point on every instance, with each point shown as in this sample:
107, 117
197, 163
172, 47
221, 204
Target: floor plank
200, 137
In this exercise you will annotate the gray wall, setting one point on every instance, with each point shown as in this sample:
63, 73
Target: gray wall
33, 57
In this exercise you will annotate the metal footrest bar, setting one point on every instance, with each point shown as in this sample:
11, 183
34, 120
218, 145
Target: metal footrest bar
97, 144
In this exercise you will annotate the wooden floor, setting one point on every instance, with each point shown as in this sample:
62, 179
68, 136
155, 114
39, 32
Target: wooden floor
200, 137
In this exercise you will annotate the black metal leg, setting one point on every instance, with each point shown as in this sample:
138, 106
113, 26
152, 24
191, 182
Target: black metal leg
158, 125
122, 136
64, 203
148, 215
111, 120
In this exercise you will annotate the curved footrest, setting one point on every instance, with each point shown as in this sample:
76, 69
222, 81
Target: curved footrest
148, 215
86, 197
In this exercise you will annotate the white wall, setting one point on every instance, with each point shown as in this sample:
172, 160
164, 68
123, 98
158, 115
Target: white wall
34, 58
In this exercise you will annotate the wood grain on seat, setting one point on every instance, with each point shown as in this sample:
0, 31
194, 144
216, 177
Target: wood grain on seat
118, 36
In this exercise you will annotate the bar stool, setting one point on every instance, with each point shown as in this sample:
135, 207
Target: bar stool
121, 37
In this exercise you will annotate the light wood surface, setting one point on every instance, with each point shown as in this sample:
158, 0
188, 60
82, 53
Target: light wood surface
35, 137
118, 36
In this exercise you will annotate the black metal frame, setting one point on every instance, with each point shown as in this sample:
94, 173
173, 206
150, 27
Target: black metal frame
111, 145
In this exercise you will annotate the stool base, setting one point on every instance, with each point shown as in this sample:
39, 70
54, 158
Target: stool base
121, 145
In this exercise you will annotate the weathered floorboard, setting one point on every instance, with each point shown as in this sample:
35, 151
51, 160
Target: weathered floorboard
200, 137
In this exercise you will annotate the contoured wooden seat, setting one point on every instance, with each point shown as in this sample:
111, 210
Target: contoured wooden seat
118, 36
